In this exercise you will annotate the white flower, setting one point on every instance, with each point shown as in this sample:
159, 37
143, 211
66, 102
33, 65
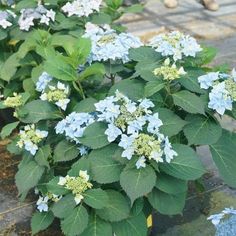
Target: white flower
84, 175
168, 151
4, 23
63, 103
62, 181
128, 153
26, 23
112, 132
78, 199
126, 141
157, 156
154, 123
83, 150
220, 99
206, 81
42, 204
131, 107
141, 163
51, 14
31, 147
45, 20
43, 81
215, 219
146, 103
136, 125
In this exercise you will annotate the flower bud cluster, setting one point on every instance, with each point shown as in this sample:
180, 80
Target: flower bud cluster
169, 72
81, 7
108, 45
175, 44
223, 90
30, 137
78, 185
14, 102
30, 15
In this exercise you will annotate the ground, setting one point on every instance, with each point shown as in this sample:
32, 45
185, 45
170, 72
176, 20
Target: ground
212, 28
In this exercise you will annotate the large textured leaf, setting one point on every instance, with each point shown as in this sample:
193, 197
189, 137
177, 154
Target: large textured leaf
137, 182
167, 204
64, 206
133, 226
143, 54
186, 165
65, 151
58, 67
202, 130
153, 87
96, 198
223, 154
94, 136
95, 69
134, 88
76, 222
7, 130
42, 156
86, 105
97, 227
41, 221
28, 176
39, 110
172, 124
82, 164
190, 80
117, 208
170, 184
189, 102
103, 166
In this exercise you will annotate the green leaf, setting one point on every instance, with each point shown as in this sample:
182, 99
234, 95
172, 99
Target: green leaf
186, 165
190, 80
223, 154
189, 102
64, 206
117, 208
7, 129
94, 69
97, 227
171, 185
42, 156
9, 68
172, 124
65, 151
76, 222
133, 226
40, 221
58, 67
39, 110
54, 187
103, 166
144, 54
3, 34
167, 204
28, 176
202, 130
86, 105
82, 164
94, 136
137, 182
134, 88
153, 87
96, 198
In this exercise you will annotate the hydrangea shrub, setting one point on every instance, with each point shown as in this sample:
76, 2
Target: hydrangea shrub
109, 126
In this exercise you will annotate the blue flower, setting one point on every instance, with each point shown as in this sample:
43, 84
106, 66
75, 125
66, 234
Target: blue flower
206, 81
112, 132
43, 81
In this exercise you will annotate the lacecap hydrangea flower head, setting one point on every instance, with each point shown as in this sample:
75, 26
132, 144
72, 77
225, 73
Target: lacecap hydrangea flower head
29, 16
30, 137
56, 92
136, 127
81, 8
175, 44
222, 90
107, 44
